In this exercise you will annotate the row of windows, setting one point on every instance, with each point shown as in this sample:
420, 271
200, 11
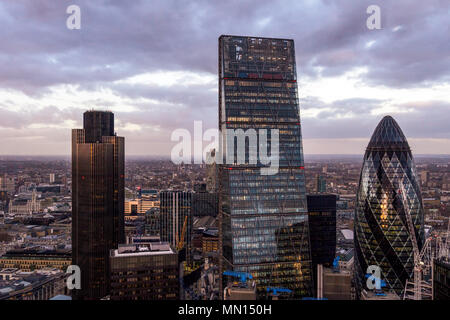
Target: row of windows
232, 84
262, 94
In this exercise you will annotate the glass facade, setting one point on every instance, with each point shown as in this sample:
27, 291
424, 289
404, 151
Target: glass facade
97, 201
322, 227
175, 206
388, 192
322, 230
263, 219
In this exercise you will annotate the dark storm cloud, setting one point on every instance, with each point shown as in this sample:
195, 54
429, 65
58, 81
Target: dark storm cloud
120, 39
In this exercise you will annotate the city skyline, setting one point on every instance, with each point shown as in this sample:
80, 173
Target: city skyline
351, 76
275, 150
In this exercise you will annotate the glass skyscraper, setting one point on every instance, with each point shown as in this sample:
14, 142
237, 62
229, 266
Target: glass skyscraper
322, 229
263, 219
175, 207
388, 193
98, 165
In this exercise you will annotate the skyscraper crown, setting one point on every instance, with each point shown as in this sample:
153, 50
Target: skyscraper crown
388, 135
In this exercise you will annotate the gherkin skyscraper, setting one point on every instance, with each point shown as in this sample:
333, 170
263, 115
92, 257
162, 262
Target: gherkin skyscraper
388, 197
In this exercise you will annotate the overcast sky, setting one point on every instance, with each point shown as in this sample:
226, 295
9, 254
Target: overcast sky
154, 64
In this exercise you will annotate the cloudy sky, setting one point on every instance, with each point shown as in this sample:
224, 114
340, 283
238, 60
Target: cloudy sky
154, 64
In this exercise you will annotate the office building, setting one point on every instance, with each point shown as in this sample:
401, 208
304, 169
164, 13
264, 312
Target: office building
388, 202
263, 219
97, 200
144, 271
441, 279
135, 207
322, 229
210, 242
175, 209
37, 285
321, 184
30, 259
337, 284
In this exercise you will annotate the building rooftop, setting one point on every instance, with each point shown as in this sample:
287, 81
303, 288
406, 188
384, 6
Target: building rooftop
61, 297
23, 280
38, 252
205, 222
142, 249
348, 234
385, 295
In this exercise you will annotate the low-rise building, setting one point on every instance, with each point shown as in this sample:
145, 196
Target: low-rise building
144, 271
38, 285
32, 259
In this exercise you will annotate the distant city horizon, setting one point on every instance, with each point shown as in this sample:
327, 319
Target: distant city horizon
308, 157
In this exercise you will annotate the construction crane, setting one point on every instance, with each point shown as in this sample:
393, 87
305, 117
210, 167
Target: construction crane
275, 291
180, 242
336, 264
243, 276
443, 247
416, 288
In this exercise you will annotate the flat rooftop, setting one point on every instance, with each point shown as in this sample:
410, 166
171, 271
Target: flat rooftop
142, 249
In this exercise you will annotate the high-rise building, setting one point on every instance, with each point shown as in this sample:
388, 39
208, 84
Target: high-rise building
97, 201
175, 209
388, 202
321, 184
263, 219
144, 271
322, 229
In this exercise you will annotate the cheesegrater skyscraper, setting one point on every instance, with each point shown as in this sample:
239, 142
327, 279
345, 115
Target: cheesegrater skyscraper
263, 219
